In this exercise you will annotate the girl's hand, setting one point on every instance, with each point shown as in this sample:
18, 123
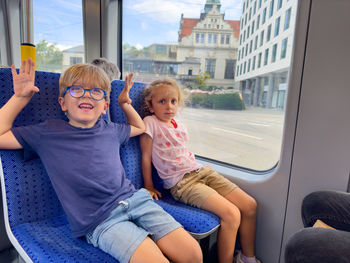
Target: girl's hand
154, 193
23, 83
124, 95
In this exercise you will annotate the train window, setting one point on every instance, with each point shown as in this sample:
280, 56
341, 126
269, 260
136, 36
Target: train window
235, 100
58, 34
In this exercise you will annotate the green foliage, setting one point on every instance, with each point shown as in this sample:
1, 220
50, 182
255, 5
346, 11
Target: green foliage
200, 81
47, 55
230, 101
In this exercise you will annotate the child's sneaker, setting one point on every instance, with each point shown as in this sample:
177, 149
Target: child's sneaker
238, 258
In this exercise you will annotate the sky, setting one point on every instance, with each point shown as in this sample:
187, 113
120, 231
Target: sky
145, 22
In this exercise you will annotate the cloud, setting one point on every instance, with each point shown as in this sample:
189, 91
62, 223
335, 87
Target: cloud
166, 11
138, 46
169, 11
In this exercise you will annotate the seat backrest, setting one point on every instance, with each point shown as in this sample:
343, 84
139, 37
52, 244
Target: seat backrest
131, 152
29, 194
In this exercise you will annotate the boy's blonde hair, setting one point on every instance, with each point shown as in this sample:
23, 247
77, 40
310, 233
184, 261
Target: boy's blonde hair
149, 91
85, 73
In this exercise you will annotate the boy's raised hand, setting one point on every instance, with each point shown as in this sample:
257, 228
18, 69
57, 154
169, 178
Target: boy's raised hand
124, 95
23, 83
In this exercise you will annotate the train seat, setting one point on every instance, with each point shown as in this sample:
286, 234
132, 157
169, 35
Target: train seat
198, 222
34, 219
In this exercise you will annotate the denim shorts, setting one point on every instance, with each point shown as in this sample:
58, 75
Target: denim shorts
129, 224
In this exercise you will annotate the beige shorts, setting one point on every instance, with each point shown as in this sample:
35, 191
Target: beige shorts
195, 187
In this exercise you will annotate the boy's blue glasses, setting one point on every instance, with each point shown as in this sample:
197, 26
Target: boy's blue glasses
77, 91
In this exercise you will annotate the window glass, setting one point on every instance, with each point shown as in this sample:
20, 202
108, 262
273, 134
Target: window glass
58, 34
232, 112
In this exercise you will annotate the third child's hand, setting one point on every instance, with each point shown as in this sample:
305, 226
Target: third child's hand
154, 193
23, 83
124, 95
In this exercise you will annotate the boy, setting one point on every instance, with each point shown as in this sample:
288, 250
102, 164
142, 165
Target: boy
82, 159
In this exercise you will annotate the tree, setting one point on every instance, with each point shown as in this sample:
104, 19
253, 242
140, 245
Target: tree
48, 56
200, 81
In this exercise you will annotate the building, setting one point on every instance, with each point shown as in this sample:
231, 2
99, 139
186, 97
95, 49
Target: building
73, 56
208, 45
265, 49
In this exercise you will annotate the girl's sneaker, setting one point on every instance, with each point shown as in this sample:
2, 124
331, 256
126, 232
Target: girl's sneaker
238, 258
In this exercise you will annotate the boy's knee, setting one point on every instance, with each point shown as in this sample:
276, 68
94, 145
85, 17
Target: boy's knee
195, 255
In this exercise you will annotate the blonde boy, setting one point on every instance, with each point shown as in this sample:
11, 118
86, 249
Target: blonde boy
81, 157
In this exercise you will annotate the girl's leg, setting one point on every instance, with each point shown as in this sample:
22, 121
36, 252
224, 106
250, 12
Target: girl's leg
230, 220
180, 246
247, 206
148, 251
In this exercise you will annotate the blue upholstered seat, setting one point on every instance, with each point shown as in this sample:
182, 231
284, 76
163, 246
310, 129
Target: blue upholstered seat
198, 222
36, 223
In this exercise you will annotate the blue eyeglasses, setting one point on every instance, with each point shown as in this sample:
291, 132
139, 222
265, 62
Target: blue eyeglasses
77, 91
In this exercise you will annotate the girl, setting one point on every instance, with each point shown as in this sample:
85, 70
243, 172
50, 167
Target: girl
188, 181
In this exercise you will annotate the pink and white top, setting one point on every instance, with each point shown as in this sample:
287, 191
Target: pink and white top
169, 154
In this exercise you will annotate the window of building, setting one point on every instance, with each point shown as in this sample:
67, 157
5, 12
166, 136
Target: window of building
264, 16
230, 69
75, 60
210, 38
250, 13
246, 49
257, 22
222, 39
197, 38
266, 58
274, 51
251, 46
190, 72
259, 3
254, 9
248, 31
277, 26
253, 65
215, 40
268, 33
202, 38
259, 60
284, 48
210, 67
55, 49
248, 66
272, 3
256, 42
261, 38
160, 49
287, 19
253, 26
279, 4
227, 39
245, 65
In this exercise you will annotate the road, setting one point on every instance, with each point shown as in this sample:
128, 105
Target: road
250, 138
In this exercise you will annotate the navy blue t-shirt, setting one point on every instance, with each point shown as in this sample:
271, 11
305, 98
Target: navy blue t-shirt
84, 167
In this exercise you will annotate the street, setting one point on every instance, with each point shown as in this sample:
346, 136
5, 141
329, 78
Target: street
250, 138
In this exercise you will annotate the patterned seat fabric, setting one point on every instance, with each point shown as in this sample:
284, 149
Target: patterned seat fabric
198, 222
38, 225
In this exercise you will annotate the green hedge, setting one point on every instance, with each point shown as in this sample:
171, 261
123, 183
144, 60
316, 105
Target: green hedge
229, 101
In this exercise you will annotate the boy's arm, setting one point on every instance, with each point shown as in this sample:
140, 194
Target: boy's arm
23, 85
136, 123
146, 148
